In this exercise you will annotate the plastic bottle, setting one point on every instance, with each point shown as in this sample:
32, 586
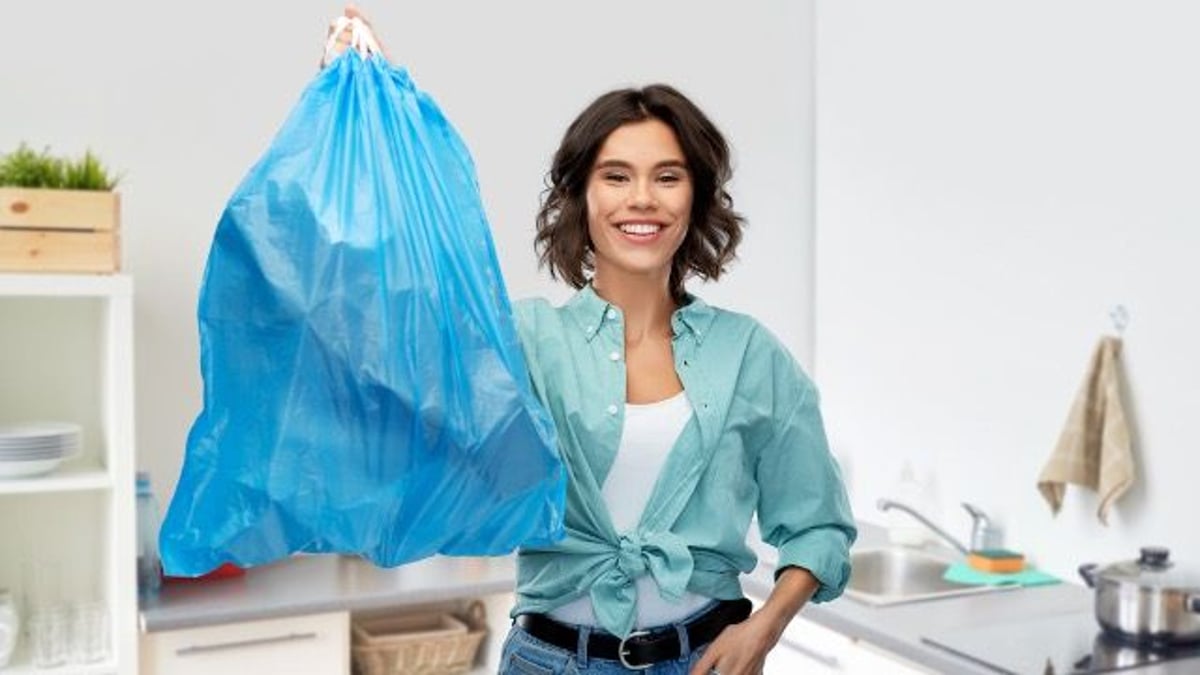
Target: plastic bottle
902, 528
149, 568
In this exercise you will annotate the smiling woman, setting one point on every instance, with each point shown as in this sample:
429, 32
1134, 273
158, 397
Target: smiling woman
676, 420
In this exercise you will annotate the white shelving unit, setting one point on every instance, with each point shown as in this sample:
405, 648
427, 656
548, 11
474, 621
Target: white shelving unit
66, 353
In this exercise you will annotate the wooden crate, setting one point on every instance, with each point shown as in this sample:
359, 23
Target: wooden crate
59, 230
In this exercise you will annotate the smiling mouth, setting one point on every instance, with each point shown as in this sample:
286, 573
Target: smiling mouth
640, 229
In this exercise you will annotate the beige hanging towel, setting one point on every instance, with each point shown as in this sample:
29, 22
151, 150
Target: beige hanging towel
1094, 450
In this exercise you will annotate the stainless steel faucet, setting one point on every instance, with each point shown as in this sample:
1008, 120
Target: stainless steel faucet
983, 534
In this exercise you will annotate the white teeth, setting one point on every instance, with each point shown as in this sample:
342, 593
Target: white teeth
640, 228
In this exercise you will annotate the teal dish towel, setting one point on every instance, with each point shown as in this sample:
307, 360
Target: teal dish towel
962, 573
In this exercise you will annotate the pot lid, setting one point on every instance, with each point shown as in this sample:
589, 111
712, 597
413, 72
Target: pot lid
1154, 569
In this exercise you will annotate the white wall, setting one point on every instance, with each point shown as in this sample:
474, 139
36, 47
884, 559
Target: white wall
183, 97
991, 180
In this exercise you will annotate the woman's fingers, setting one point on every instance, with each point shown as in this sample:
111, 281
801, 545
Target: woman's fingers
352, 11
740, 649
344, 38
705, 665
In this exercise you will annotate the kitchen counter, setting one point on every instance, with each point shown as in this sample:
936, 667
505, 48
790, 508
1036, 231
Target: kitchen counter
311, 584
900, 628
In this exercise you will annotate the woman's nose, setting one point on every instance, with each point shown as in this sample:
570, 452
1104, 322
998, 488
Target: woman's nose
642, 195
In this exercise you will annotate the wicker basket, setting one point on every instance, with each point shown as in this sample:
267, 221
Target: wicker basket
418, 644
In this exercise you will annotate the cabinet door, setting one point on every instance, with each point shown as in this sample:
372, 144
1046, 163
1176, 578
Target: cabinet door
806, 647
864, 657
316, 643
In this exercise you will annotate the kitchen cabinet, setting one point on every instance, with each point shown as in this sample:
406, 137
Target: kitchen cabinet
808, 647
314, 643
865, 657
496, 608
308, 586
66, 354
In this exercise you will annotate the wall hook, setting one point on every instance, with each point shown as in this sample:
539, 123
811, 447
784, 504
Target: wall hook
1120, 319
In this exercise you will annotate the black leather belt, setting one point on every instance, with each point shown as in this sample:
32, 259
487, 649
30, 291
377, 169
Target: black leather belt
641, 649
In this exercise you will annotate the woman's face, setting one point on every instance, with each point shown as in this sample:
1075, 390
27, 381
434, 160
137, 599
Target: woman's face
639, 197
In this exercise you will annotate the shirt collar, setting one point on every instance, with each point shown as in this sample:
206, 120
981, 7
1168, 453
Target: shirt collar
591, 311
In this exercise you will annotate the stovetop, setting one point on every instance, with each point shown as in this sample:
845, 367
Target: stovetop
1066, 644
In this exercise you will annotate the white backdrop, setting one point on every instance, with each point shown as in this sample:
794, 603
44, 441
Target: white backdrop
183, 98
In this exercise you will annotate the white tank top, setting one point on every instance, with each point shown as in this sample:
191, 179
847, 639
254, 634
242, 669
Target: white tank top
650, 432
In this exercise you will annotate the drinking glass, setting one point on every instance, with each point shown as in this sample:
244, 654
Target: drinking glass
89, 632
48, 632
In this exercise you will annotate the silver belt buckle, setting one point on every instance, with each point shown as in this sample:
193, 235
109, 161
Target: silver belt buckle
622, 652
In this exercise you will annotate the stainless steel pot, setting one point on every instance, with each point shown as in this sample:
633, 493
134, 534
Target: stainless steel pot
1150, 600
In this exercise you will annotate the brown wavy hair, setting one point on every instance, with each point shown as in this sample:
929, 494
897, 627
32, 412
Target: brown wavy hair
714, 228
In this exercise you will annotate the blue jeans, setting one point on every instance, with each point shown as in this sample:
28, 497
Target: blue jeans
526, 655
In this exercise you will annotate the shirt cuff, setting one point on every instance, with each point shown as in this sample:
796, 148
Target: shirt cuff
825, 553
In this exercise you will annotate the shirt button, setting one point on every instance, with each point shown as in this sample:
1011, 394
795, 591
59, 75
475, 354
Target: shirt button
612, 410
614, 357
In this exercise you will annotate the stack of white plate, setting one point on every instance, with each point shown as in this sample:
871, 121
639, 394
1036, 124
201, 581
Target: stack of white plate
34, 448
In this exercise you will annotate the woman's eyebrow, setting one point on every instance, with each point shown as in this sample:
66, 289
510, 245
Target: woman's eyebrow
622, 164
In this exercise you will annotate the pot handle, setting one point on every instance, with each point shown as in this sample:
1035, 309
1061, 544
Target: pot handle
1088, 572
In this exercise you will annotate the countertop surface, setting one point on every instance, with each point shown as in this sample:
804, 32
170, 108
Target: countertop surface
323, 583
312, 584
903, 628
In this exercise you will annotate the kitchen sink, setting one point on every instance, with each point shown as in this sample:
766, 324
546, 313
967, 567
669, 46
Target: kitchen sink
896, 574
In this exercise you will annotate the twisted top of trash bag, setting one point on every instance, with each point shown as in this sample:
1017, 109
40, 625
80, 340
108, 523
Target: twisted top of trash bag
362, 38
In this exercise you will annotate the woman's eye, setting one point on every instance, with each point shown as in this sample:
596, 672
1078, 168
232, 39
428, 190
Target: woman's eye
670, 178
615, 177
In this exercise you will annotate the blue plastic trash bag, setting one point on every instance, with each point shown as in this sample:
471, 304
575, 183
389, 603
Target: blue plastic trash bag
364, 389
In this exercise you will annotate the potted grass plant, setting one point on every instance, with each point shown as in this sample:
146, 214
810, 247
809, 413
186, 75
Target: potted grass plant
57, 214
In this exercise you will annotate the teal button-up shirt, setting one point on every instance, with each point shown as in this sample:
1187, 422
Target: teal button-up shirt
755, 442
